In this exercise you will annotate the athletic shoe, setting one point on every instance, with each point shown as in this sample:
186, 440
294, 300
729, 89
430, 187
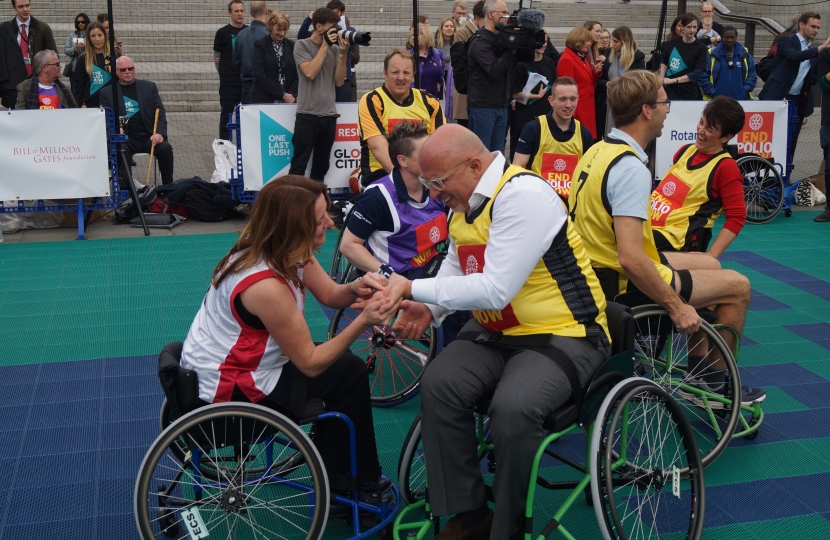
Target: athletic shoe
824, 216
750, 396
713, 383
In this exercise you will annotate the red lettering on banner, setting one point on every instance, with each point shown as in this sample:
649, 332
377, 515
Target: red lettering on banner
557, 169
346, 132
668, 197
757, 135
496, 321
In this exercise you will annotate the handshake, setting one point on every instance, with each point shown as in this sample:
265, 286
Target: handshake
380, 300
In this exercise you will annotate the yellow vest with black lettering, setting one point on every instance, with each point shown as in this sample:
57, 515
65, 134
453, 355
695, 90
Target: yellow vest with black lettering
591, 210
556, 161
683, 203
391, 114
539, 307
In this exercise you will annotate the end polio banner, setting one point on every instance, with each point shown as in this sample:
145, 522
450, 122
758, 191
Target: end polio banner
53, 154
764, 132
266, 132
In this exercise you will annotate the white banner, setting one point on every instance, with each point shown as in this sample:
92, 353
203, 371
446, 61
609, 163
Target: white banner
54, 154
764, 133
267, 150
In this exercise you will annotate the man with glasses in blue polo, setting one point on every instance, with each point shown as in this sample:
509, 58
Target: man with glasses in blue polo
538, 330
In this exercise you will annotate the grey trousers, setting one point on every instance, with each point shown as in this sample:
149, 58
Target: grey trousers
525, 390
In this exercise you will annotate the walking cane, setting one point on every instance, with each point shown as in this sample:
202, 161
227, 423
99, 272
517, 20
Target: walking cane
152, 147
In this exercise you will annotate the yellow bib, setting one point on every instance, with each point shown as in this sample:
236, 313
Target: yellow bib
392, 113
555, 161
683, 204
539, 307
591, 211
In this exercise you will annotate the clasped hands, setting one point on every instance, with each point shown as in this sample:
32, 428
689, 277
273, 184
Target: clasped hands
390, 297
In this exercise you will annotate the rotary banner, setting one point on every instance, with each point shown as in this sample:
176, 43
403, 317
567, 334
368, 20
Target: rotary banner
54, 154
267, 150
764, 132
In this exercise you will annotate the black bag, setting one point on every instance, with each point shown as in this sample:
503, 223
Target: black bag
204, 200
146, 195
764, 67
460, 60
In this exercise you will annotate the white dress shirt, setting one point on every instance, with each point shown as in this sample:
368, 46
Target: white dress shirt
527, 215
803, 68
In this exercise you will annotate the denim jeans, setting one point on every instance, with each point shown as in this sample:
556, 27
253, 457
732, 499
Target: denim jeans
490, 124
824, 138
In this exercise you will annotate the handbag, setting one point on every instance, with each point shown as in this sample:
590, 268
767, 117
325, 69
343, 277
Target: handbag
67, 69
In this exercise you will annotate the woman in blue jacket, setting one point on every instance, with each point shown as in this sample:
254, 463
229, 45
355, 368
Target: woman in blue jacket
730, 69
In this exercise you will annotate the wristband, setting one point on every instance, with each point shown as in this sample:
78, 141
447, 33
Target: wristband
385, 270
350, 286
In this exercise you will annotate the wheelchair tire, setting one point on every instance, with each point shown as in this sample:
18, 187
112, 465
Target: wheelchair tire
412, 469
337, 268
763, 188
641, 493
237, 502
394, 366
663, 353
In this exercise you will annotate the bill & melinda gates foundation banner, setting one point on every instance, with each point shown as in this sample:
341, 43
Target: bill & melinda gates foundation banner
764, 132
55, 154
266, 133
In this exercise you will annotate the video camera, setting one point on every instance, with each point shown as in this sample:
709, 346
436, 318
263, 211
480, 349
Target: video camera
354, 37
523, 31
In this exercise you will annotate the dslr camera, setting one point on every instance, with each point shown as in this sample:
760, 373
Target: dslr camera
523, 31
355, 37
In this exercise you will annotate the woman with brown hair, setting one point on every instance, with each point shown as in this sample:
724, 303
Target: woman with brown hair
272, 64
92, 69
574, 63
250, 342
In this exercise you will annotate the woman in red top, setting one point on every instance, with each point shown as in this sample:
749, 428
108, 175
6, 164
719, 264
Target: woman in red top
574, 63
707, 189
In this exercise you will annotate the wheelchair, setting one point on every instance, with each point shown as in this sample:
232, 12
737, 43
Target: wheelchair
240, 470
661, 354
395, 366
764, 190
639, 443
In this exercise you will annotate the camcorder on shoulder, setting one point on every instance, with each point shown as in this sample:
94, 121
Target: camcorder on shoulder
355, 37
523, 31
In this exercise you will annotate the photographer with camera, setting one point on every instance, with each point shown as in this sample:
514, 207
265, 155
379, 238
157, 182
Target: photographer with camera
488, 94
321, 60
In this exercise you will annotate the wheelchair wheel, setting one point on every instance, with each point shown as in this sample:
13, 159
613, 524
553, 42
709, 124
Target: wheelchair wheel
641, 441
250, 495
662, 354
337, 269
763, 188
412, 468
395, 366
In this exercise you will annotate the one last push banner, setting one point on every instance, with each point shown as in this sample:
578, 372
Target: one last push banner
53, 154
267, 150
764, 132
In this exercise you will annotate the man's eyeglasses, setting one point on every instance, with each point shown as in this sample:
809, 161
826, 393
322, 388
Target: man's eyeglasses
53, 64
126, 69
667, 103
438, 183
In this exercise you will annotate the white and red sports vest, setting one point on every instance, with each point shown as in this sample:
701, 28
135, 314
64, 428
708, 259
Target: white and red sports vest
226, 352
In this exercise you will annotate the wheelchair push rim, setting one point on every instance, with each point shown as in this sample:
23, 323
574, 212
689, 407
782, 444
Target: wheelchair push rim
763, 188
394, 366
172, 498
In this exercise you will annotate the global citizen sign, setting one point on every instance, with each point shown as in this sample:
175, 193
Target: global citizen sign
756, 136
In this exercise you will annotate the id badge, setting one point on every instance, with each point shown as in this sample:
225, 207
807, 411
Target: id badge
27, 60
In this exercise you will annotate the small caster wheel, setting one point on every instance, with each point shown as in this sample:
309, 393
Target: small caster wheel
168, 523
754, 433
386, 533
788, 212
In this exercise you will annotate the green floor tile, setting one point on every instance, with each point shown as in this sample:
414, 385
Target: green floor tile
780, 401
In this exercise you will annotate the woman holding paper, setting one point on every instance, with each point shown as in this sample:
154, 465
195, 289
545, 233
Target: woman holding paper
530, 85
75, 47
93, 70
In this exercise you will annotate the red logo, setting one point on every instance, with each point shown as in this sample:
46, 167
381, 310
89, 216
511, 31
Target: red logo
756, 136
346, 132
668, 197
557, 169
471, 259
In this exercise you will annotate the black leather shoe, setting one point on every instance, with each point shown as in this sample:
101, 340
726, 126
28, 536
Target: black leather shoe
453, 530
824, 216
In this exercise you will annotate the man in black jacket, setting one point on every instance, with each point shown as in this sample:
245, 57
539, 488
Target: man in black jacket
488, 90
230, 84
140, 99
20, 40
